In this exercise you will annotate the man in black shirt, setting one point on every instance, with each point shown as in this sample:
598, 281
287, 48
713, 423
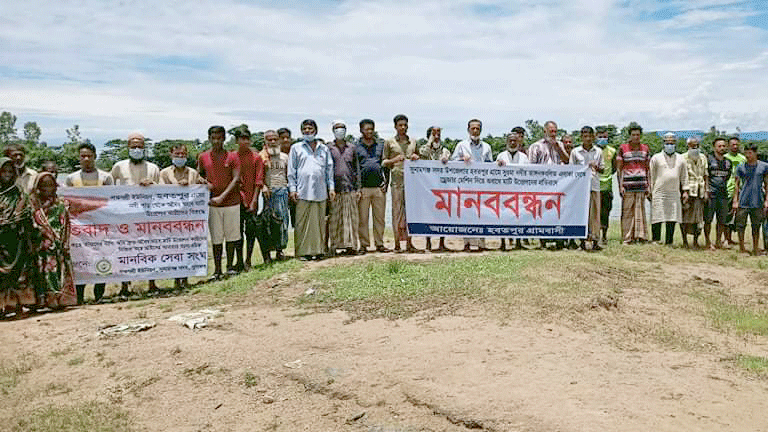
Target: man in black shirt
373, 181
719, 204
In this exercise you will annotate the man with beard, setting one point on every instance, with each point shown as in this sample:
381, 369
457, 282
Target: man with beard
396, 150
698, 179
513, 156
668, 176
435, 150
473, 150
135, 171
276, 188
549, 151
25, 176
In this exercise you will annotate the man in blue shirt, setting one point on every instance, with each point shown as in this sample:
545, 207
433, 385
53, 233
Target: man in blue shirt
749, 197
310, 184
373, 182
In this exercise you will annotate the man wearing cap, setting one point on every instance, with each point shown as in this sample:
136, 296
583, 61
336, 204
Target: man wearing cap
344, 222
668, 176
396, 150
513, 155
222, 171
310, 182
135, 171
698, 198
251, 182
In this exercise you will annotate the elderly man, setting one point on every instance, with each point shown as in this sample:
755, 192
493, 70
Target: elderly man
88, 176
719, 170
473, 150
222, 171
698, 198
135, 171
435, 150
310, 182
749, 196
374, 179
668, 176
549, 151
25, 176
592, 156
345, 216
396, 150
513, 155
632, 160
276, 190
606, 179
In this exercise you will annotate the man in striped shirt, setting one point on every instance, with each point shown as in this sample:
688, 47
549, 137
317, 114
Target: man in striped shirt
632, 164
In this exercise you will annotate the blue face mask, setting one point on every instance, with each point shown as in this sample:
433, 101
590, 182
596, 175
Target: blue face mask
669, 148
602, 142
136, 154
309, 137
179, 162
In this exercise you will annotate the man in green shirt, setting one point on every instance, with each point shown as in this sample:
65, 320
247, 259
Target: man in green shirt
736, 158
606, 179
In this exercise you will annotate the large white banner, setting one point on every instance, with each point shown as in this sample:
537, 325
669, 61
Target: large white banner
487, 200
123, 233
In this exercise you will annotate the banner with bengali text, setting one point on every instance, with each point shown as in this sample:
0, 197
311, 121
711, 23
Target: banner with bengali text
486, 200
124, 233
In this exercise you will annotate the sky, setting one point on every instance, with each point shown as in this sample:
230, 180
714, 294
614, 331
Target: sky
172, 68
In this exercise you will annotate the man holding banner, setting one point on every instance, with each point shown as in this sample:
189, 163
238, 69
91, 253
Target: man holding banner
592, 156
473, 150
549, 151
396, 150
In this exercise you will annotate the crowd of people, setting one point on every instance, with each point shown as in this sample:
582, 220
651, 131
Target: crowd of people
327, 191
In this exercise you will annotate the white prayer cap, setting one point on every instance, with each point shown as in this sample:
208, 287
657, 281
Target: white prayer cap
670, 135
338, 122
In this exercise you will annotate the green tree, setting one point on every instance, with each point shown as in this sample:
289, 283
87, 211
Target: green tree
7, 128
535, 131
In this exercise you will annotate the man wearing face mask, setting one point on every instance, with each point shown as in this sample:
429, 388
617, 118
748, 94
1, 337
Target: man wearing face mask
668, 175
310, 182
276, 188
135, 171
25, 176
698, 198
513, 156
344, 222
435, 150
606, 179
473, 150
396, 150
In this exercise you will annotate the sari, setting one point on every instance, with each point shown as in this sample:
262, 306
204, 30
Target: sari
55, 278
15, 261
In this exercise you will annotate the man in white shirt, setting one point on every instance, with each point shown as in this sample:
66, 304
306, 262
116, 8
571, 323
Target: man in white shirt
473, 150
591, 155
513, 156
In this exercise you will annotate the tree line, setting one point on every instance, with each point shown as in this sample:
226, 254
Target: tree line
66, 155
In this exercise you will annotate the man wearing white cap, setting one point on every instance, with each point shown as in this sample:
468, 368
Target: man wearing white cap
345, 216
135, 171
668, 176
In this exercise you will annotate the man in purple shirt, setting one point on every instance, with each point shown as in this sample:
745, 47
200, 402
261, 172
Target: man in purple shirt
344, 221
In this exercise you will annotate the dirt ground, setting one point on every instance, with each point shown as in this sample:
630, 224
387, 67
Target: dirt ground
267, 364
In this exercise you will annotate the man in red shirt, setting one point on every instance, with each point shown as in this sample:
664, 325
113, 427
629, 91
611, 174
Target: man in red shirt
222, 171
251, 182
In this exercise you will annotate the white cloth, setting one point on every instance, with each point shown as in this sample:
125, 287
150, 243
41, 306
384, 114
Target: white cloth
126, 173
582, 156
480, 152
518, 159
669, 175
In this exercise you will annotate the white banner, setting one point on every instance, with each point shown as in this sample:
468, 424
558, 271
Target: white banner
123, 233
486, 200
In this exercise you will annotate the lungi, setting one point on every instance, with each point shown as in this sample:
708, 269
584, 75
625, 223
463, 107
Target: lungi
399, 227
309, 234
633, 216
279, 202
344, 221
693, 211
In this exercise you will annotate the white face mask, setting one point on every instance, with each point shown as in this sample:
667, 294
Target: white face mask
694, 153
340, 133
669, 148
136, 154
179, 162
308, 137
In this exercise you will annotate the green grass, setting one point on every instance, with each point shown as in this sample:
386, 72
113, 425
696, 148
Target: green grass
89, 416
76, 361
244, 282
11, 371
753, 364
725, 314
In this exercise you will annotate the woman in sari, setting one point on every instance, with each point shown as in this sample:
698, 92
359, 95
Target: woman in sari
15, 227
55, 282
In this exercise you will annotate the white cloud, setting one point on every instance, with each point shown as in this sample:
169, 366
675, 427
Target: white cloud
173, 68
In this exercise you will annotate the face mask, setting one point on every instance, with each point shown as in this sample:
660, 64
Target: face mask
273, 151
179, 162
669, 148
136, 154
435, 144
694, 153
602, 142
340, 133
308, 137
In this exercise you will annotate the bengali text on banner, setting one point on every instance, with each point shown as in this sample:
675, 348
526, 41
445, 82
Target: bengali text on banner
123, 233
486, 200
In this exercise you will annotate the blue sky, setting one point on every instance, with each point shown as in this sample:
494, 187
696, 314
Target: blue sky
172, 68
